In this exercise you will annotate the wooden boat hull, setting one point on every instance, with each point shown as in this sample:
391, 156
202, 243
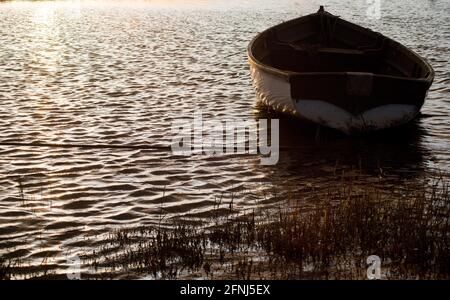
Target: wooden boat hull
346, 88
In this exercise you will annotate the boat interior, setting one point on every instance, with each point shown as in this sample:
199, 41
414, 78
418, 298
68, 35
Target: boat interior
322, 42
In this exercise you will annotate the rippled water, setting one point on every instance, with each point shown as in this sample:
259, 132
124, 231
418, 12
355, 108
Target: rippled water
118, 72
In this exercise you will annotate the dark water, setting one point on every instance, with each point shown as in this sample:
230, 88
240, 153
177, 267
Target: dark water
118, 72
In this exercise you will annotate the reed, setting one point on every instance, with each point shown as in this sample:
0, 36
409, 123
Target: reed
407, 227
332, 240
5, 269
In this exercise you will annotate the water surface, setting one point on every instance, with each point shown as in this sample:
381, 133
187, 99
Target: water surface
119, 72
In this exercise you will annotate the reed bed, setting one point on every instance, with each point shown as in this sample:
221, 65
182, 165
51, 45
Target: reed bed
407, 227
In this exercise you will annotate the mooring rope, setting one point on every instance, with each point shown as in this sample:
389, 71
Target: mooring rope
109, 146
92, 146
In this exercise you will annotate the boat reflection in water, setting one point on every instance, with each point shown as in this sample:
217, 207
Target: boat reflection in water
312, 156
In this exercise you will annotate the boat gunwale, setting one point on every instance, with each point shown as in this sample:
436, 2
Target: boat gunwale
285, 74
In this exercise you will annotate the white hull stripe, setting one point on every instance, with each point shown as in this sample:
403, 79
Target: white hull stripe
276, 93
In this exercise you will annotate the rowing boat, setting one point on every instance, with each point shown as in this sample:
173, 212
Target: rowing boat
326, 70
